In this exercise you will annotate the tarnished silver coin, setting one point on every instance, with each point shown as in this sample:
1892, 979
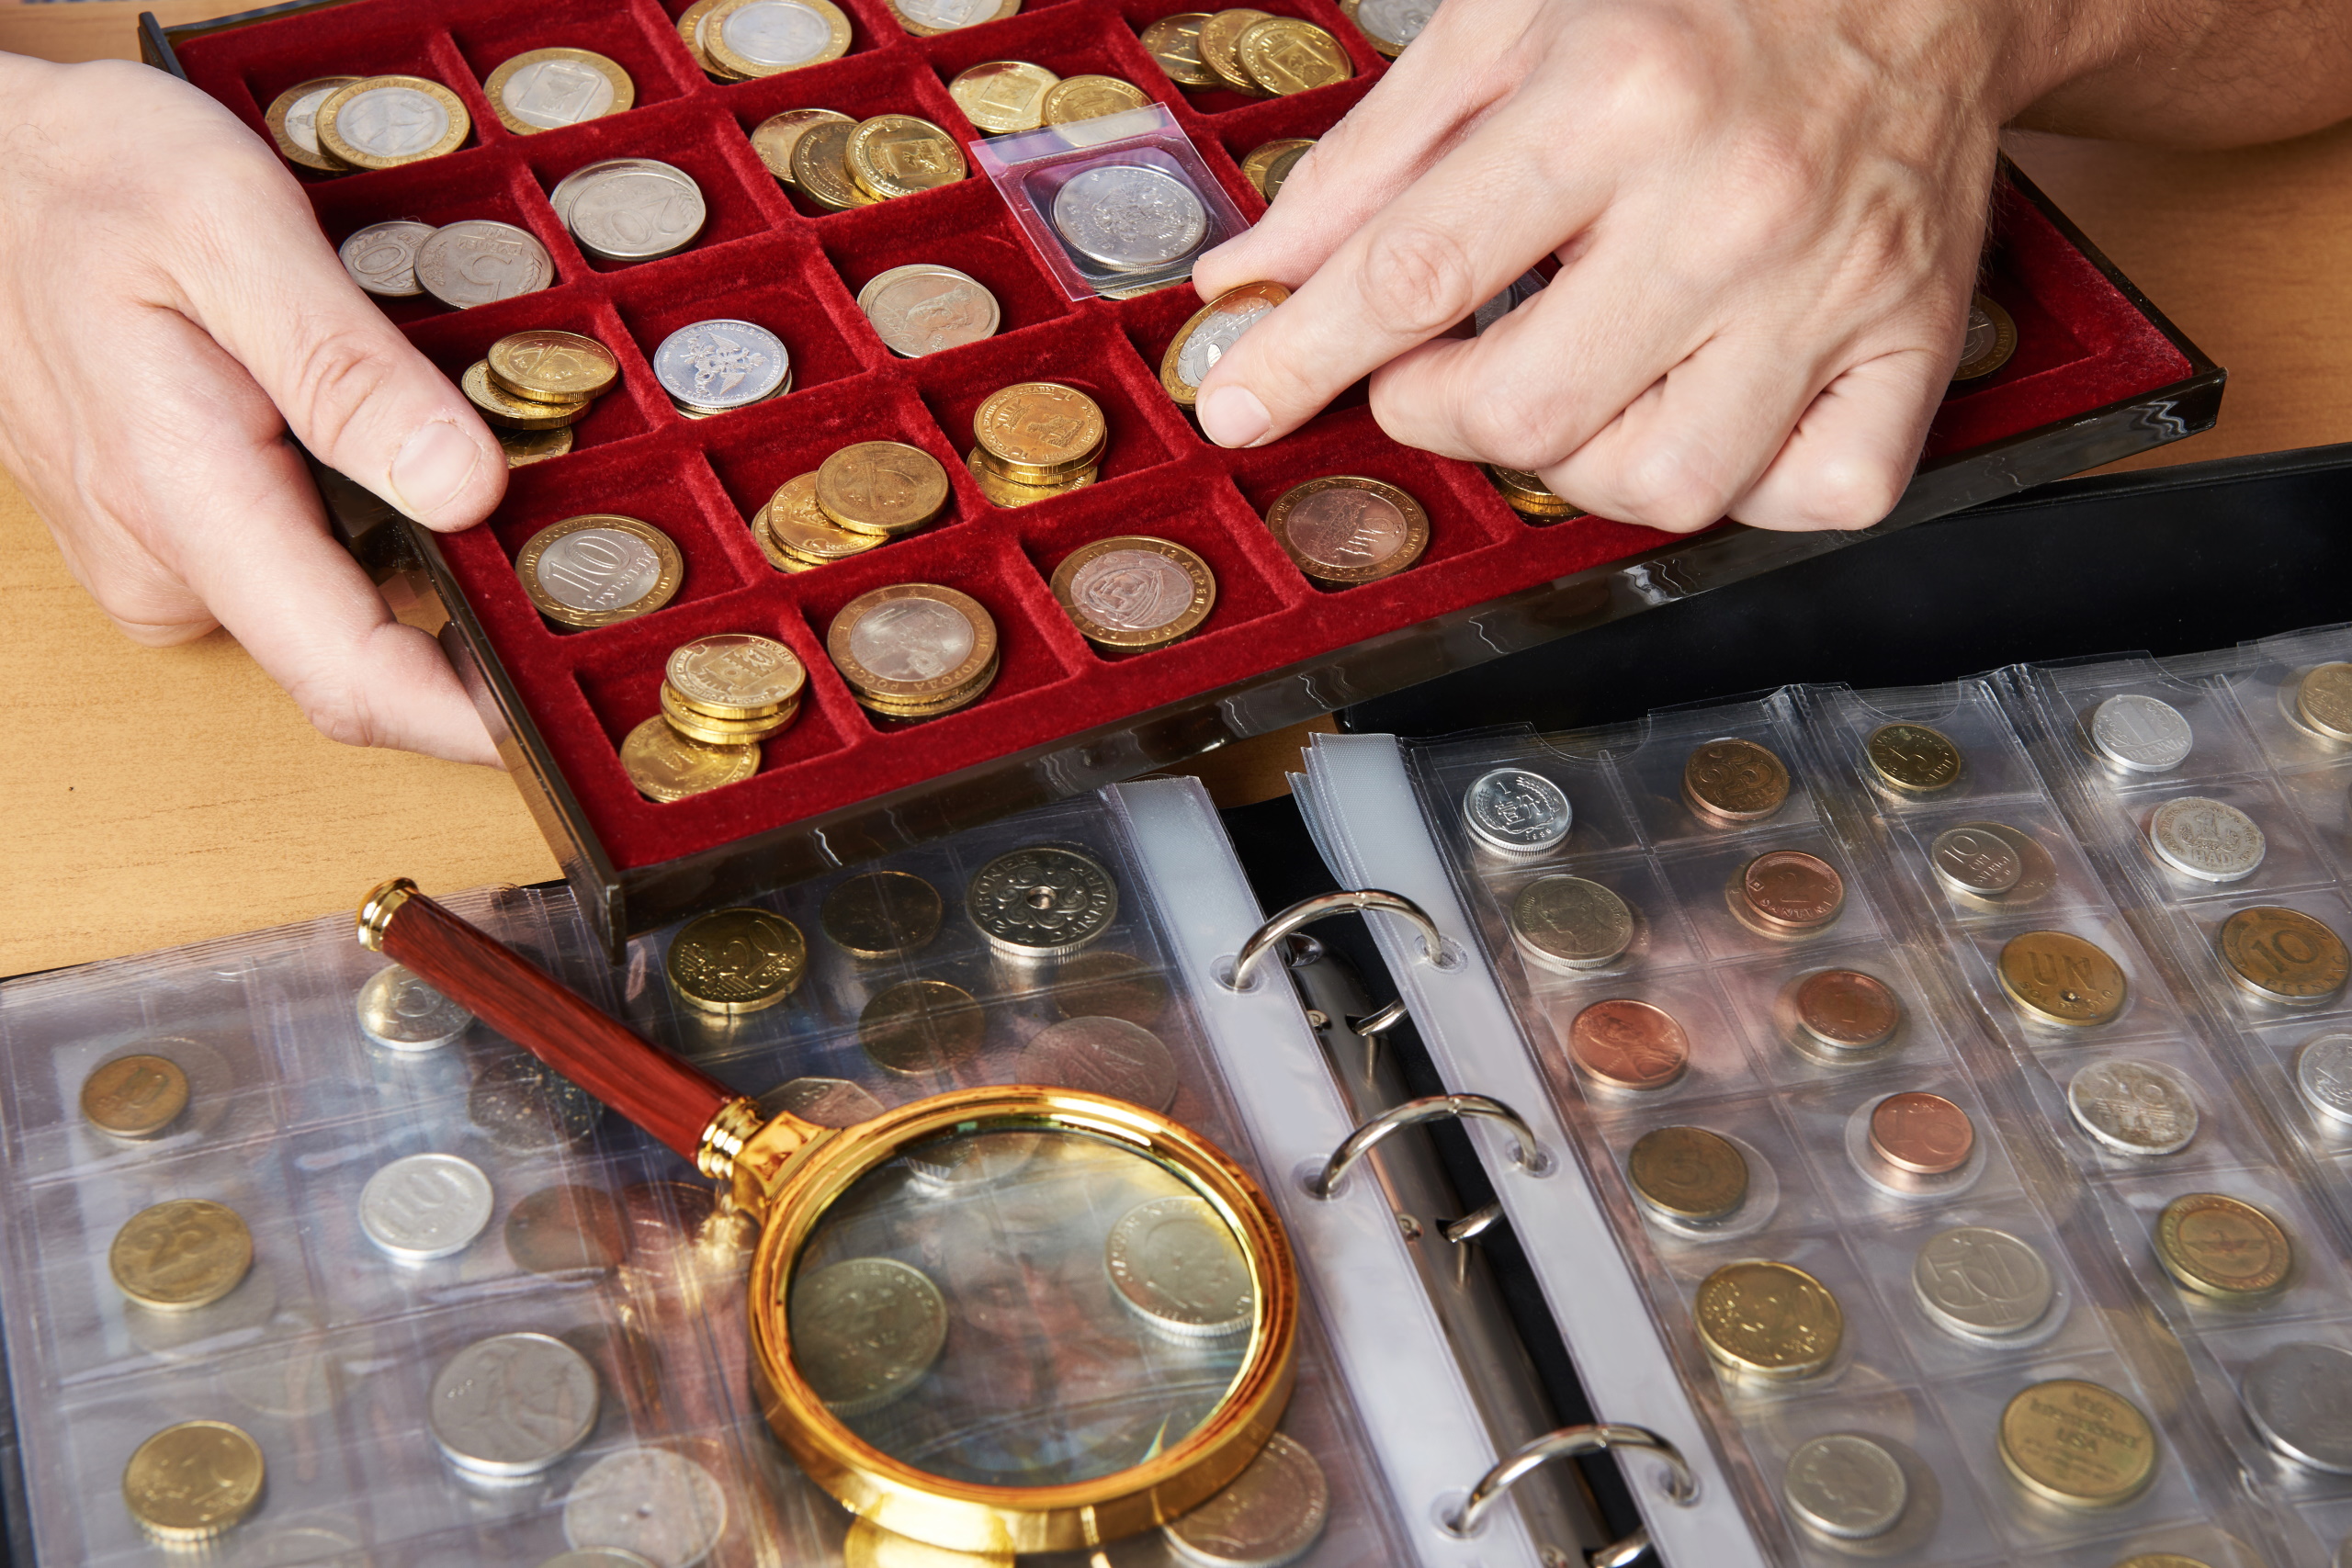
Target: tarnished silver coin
828, 1102
922, 308
2299, 1397
2208, 839
963, 1162
513, 1404
400, 1013
864, 1331
1210, 340
2140, 734
530, 1108
1130, 218
1269, 1515
1516, 811
476, 261
722, 363
1846, 1485
381, 258
627, 210
2324, 1076
1393, 22
1175, 1263
1981, 1283
650, 1503
1975, 861
425, 1206
1041, 902
2133, 1108
1569, 924
1102, 1056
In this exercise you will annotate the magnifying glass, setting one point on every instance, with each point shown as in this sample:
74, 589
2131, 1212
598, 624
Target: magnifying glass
1006, 1319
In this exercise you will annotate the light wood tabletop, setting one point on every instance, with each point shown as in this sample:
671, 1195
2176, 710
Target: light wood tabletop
214, 807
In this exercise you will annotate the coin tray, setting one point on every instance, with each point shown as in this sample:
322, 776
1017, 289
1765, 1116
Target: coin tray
2095, 369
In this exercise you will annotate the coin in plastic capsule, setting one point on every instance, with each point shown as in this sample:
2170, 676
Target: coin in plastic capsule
2077, 1444
2210, 841
2133, 1108
194, 1481
1731, 782
1571, 923
1688, 1174
1769, 1320
1976, 1282
2299, 1397
1517, 811
2283, 956
1912, 759
135, 1097
181, 1254
425, 1206
2057, 978
2223, 1247
1926, 1134
400, 1013
648, 1503
2141, 734
2324, 1076
1786, 892
1975, 861
1846, 1485
513, 1404
1175, 1264
1845, 1011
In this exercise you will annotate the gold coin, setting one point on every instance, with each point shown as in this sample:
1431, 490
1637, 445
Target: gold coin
914, 644
868, 1545
666, 765
1217, 38
738, 675
935, 18
897, 154
881, 487
524, 448
1175, 42
732, 46
962, 697
1286, 151
722, 731
2222, 1247
1040, 432
1284, 55
881, 915
1732, 783
821, 167
381, 122
736, 960
181, 1254
775, 138
690, 22
293, 120
501, 407
2077, 1444
545, 365
1074, 99
194, 1481
1210, 333
2058, 977
546, 89
800, 526
1347, 529
1769, 1320
2283, 955
134, 1096
1001, 96
1688, 1173
1912, 757
1525, 494
2324, 700
920, 1027
1991, 337
595, 570
1002, 491
1134, 592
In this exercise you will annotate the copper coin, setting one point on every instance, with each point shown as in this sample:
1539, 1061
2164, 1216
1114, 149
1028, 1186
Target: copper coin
1788, 893
1732, 783
557, 1229
1846, 1010
1921, 1133
1628, 1045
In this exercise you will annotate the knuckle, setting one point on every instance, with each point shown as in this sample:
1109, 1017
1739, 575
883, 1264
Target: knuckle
1517, 432
1850, 493
1672, 488
339, 372
1417, 280
336, 710
1654, 77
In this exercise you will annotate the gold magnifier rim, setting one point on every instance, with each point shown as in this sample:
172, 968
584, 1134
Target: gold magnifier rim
966, 1515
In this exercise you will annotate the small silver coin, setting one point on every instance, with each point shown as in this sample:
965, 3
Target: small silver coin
2133, 1108
1971, 859
2141, 735
2299, 1397
631, 209
1981, 1283
381, 258
1395, 22
530, 1108
1568, 924
1212, 338
1846, 1485
1269, 1515
722, 363
2324, 1076
1516, 811
400, 1013
1130, 218
646, 1503
425, 1206
477, 261
1176, 1265
2208, 839
392, 121
864, 1331
1102, 1055
919, 309
513, 1404
1041, 902
828, 1102
775, 32
598, 570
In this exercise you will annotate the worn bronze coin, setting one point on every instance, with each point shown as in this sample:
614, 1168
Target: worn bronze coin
878, 915
138, 1096
1732, 783
1346, 529
1912, 759
1787, 893
1845, 1009
1924, 1133
181, 1254
2059, 978
2223, 1247
2283, 955
921, 1027
2077, 1444
559, 1229
1627, 1044
1688, 1174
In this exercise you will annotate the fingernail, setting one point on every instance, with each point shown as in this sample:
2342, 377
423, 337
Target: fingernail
433, 465
1232, 416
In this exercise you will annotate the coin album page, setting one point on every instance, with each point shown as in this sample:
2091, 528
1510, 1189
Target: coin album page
328, 1351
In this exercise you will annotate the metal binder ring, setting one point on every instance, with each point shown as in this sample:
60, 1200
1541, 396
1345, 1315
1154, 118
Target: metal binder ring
1381, 1022
1528, 1154
1569, 1442
1307, 911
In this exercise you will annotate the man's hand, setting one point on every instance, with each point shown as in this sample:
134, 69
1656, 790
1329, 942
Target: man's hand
168, 308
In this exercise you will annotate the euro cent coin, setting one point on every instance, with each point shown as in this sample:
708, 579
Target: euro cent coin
1688, 1174
736, 960
1769, 1320
1924, 1133
194, 1481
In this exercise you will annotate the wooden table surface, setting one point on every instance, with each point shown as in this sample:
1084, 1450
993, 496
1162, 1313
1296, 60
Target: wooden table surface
214, 808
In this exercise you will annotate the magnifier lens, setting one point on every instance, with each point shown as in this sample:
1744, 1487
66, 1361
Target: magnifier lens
1021, 1307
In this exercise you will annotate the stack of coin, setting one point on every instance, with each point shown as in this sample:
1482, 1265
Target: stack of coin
2318, 701
1214, 329
1346, 529
333, 125
870, 490
1517, 811
537, 381
717, 366
840, 163
913, 649
1247, 52
1991, 338
923, 307
929, 18
1133, 591
473, 261
1001, 96
1035, 440
546, 89
731, 688
795, 533
630, 209
1389, 25
1525, 493
1270, 163
737, 40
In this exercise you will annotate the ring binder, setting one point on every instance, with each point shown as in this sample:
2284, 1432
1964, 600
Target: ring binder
1465, 1230
1623, 1551
1527, 1154
1307, 911
1570, 1442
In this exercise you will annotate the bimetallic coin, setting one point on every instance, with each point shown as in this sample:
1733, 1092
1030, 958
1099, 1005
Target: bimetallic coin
821, 167
595, 570
513, 1404
1134, 592
927, 19
138, 1095
2323, 701
1991, 337
425, 1206
1978, 1282
476, 261
2056, 978
1912, 759
1175, 42
1130, 218
918, 309
2299, 1397
2324, 1076
1269, 164
562, 1229
1076, 98
649, 1504
400, 1013
1626, 1044
913, 643
999, 96
1845, 1009
735, 675
1269, 1515
382, 257
1175, 1263
761, 37
898, 154
192, 1482
1041, 902
2283, 956
1285, 55
2223, 1247
1212, 330
1688, 1174
1975, 861
736, 960
1769, 1320
2141, 734
1732, 783
1787, 893
181, 1254
1924, 1133
1846, 1485
1102, 1056
293, 121
1392, 24
2208, 839
529, 1108
1517, 811
773, 138
632, 208
2077, 1444
1219, 36
881, 914
1109, 985
920, 1027
1347, 529
551, 366
2133, 1108
882, 487
826, 1103
546, 89
865, 1331
381, 122
666, 765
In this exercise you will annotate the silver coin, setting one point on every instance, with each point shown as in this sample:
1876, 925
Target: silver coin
1130, 218
1846, 1485
775, 32
551, 93
1981, 1283
1132, 590
598, 570
1516, 811
946, 14
912, 639
477, 260
513, 1404
921, 310
1041, 902
1212, 338
828, 1102
1102, 1055
597, 1557
391, 122
1269, 1515
2133, 1108
1568, 923
1396, 22
2209, 840
2299, 1397
1973, 861
381, 258
530, 1108
634, 210
425, 1206
1174, 1262
402, 1014
864, 1331
2324, 1074
2141, 734
722, 364
646, 1503
302, 114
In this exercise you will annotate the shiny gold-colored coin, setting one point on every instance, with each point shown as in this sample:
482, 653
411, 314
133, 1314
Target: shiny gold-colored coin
595, 570
1912, 759
293, 120
1285, 55
690, 21
1001, 96
2077, 1444
920, 1027
1346, 529
181, 1254
963, 697
666, 765
775, 35
1002, 491
1219, 37
2058, 977
381, 122
1214, 329
1074, 99
524, 448
778, 557
1524, 493
1688, 1173
2283, 955
2324, 700
881, 915
929, 18
1040, 432
775, 138
2223, 1247
898, 154
800, 528
821, 167
545, 365
1732, 783
736, 960
735, 675
881, 487
1769, 1320
134, 1096
1134, 592
1283, 154
694, 726
1175, 42
501, 407
194, 1481
546, 89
